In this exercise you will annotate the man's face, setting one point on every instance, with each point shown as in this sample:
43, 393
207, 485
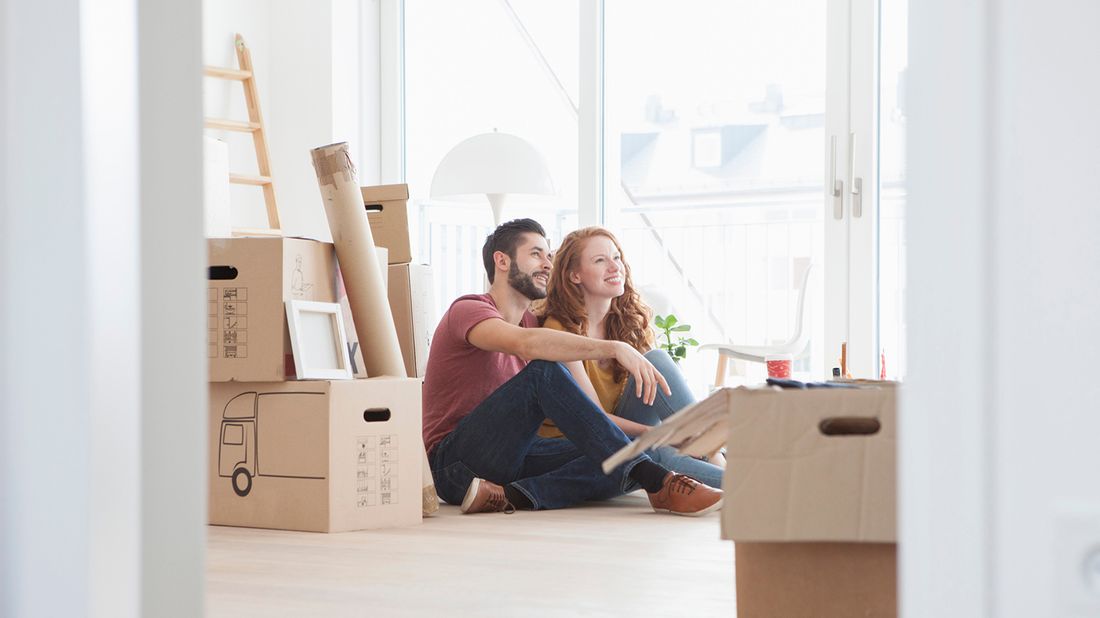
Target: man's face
529, 273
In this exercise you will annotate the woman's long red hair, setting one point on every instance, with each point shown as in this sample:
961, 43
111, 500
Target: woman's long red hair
628, 320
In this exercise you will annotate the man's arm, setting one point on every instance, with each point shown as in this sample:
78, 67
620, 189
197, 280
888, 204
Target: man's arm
496, 335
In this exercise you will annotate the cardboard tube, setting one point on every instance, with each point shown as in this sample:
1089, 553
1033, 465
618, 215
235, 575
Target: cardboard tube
367, 294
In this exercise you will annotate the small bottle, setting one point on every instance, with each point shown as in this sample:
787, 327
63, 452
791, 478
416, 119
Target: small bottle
836, 373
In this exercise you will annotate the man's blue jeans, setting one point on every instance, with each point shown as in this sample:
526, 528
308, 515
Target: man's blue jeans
499, 442
632, 408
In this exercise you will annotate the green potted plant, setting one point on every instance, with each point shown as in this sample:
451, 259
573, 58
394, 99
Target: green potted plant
674, 334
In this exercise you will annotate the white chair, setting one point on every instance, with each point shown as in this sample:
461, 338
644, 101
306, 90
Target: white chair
795, 346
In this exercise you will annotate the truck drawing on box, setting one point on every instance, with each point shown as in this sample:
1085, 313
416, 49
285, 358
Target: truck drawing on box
274, 435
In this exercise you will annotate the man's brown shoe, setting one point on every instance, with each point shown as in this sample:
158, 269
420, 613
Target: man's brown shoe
486, 497
682, 495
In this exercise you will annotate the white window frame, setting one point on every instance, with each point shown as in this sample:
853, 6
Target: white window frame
851, 243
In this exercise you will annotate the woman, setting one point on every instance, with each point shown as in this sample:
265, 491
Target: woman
591, 293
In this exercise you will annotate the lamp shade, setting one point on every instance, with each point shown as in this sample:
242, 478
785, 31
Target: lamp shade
492, 163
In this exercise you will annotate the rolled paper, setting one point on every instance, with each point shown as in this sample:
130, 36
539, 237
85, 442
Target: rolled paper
362, 272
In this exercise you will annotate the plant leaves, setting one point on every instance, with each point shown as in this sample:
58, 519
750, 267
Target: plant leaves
681, 352
670, 321
683, 328
691, 342
659, 321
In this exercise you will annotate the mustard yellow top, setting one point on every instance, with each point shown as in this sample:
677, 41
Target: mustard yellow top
607, 389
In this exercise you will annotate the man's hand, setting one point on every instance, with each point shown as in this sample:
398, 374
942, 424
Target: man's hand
646, 376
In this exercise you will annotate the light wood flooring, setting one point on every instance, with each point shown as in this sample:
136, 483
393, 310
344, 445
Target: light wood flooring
617, 558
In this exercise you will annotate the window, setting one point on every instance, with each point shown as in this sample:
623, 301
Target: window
487, 65
721, 123
233, 434
714, 165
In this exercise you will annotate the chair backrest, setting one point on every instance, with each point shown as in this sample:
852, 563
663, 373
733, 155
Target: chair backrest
802, 317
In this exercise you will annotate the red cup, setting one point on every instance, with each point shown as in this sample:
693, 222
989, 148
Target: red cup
779, 366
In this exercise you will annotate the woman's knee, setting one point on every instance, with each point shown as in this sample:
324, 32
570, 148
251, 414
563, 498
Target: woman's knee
660, 359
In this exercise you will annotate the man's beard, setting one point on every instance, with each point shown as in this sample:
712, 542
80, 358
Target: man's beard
524, 284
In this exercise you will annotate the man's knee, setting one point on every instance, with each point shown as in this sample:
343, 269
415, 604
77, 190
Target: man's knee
549, 369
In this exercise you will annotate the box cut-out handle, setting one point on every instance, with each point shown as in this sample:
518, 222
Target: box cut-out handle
374, 207
849, 426
222, 273
376, 415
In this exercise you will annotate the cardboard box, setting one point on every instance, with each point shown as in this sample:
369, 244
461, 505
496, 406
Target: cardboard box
320, 456
250, 279
811, 500
387, 212
412, 301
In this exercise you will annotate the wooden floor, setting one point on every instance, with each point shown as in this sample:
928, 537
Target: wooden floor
613, 559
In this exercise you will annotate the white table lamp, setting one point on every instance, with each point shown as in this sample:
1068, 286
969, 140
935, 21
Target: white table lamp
494, 164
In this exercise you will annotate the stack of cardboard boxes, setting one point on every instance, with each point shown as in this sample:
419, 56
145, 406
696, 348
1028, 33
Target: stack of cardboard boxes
316, 455
411, 286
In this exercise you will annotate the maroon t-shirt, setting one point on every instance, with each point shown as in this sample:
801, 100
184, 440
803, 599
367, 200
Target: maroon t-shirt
459, 375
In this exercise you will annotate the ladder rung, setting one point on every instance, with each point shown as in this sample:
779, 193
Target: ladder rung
256, 231
223, 73
248, 179
231, 125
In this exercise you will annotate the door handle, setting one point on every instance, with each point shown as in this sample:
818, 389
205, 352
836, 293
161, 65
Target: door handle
854, 183
838, 184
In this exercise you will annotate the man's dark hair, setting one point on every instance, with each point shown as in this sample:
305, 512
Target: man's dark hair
505, 239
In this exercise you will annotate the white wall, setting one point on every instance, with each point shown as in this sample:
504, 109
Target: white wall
46, 481
174, 441
1000, 417
101, 368
308, 57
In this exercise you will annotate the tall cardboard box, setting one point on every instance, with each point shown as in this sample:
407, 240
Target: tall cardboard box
319, 456
250, 279
412, 302
387, 213
811, 500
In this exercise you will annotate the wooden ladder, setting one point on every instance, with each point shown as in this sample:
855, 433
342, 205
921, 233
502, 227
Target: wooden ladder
255, 126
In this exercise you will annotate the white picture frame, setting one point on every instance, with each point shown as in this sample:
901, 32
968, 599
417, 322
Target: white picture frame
318, 340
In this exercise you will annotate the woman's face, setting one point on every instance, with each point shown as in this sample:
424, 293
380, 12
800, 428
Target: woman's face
600, 272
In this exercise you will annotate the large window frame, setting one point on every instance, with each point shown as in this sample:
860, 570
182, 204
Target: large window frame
851, 242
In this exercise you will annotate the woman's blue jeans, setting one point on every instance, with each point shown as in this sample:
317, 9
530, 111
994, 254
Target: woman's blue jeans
498, 441
632, 408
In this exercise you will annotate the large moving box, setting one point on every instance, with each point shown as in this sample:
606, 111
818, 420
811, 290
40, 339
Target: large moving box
250, 280
387, 213
321, 456
412, 301
811, 501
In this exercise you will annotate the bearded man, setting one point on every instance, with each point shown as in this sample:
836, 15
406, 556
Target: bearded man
493, 376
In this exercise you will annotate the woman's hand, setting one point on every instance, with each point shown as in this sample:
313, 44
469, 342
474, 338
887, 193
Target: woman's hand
646, 377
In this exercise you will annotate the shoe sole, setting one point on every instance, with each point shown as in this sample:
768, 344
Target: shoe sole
471, 493
710, 509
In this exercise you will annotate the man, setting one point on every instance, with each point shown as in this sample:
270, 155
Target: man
485, 397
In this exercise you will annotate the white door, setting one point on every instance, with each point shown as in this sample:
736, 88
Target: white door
875, 194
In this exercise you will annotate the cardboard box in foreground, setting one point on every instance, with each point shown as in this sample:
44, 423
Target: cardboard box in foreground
811, 500
320, 456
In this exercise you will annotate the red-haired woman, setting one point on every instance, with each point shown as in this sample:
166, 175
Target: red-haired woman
591, 293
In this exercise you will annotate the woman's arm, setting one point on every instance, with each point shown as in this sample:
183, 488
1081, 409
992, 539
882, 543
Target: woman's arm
629, 427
